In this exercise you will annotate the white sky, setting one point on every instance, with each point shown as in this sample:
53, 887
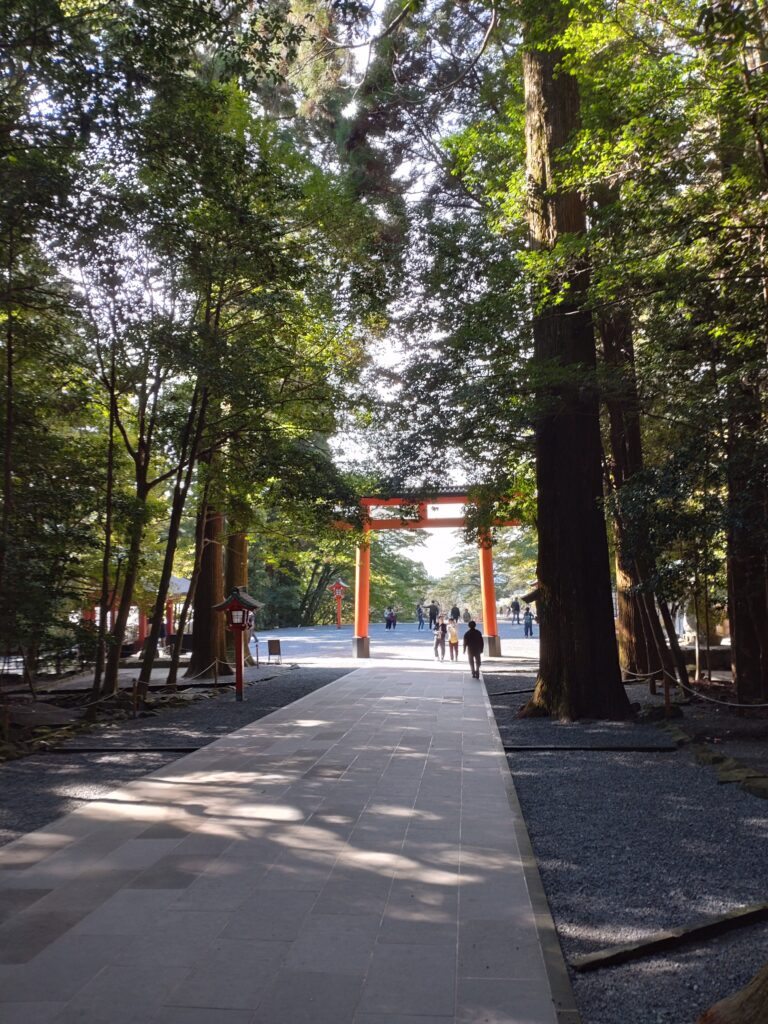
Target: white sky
441, 545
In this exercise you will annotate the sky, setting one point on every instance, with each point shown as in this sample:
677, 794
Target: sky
440, 546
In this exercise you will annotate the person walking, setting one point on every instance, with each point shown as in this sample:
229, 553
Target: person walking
455, 613
441, 631
453, 639
466, 615
515, 609
394, 618
420, 616
434, 611
388, 618
473, 645
527, 621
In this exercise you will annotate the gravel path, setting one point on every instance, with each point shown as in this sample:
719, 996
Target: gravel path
630, 843
38, 789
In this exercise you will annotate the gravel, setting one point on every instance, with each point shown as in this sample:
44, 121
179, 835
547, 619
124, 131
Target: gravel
631, 843
38, 789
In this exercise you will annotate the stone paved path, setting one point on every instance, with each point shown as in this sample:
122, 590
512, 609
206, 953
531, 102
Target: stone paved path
350, 859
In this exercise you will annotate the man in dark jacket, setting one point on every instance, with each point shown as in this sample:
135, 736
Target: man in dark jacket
473, 645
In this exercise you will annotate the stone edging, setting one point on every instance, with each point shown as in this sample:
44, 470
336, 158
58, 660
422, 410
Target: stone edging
554, 962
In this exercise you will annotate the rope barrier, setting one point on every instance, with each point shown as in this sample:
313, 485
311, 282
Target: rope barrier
694, 693
723, 703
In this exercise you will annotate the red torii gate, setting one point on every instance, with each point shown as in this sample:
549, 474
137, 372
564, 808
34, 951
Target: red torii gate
420, 521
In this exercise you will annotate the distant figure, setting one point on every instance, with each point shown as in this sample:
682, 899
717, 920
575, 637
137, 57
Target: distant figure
515, 609
527, 622
388, 617
434, 611
473, 645
466, 615
455, 613
441, 631
394, 618
420, 616
453, 639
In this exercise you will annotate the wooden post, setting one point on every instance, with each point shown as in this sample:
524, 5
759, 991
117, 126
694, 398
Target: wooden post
667, 699
361, 646
488, 591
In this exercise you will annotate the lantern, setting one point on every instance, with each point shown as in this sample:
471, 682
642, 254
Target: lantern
238, 606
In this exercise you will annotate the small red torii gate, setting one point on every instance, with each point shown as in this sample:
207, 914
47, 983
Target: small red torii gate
421, 520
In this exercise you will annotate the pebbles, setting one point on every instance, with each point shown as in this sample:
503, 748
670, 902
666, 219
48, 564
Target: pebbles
629, 844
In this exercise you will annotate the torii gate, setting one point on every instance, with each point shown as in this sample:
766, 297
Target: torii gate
361, 647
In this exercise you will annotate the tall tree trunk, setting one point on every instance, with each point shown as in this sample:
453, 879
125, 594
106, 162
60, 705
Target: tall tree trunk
236, 575
209, 647
105, 601
626, 459
111, 674
9, 424
579, 673
640, 635
747, 545
187, 460
318, 593
202, 515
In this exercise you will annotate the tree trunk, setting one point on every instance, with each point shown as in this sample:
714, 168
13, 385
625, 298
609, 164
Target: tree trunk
640, 636
202, 515
626, 460
579, 672
747, 1006
209, 647
9, 425
188, 453
236, 575
111, 674
747, 548
105, 602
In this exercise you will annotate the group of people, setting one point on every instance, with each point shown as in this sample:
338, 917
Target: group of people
433, 611
449, 632
528, 617
390, 618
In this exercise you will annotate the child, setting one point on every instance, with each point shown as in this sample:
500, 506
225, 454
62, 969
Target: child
453, 640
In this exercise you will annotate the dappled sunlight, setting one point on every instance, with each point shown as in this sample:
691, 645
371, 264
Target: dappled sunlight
268, 812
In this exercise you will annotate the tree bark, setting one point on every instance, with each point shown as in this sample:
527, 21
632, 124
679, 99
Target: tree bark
9, 424
209, 647
640, 636
748, 1006
236, 575
187, 460
626, 459
111, 674
105, 602
747, 546
579, 673
202, 515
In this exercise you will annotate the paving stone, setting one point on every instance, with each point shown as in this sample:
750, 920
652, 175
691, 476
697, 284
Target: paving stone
415, 979
503, 1002
236, 984
334, 943
500, 949
320, 866
31, 1013
305, 997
